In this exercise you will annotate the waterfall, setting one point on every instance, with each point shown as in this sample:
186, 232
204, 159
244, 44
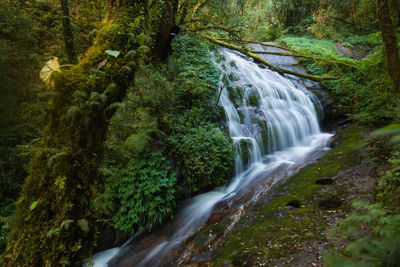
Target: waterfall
273, 123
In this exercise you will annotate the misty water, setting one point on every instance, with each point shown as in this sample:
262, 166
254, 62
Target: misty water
273, 123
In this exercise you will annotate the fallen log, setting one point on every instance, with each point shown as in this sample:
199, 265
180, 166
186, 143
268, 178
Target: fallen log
259, 59
260, 43
274, 53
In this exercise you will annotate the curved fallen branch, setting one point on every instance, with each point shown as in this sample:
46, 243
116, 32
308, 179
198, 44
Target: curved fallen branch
267, 63
259, 43
275, 53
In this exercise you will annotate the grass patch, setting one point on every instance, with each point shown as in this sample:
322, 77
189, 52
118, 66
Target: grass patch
309, 45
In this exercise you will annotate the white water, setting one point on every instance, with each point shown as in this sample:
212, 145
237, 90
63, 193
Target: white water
101, 259
287, 114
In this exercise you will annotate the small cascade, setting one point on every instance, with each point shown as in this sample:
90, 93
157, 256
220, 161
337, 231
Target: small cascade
273, 123
263, 117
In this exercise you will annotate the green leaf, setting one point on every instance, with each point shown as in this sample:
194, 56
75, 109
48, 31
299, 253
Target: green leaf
52, 232
84, 225
113, 53
388, 130
65, 224
33, 205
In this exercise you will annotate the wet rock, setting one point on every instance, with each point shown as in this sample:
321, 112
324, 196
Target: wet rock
110, 238
333, 141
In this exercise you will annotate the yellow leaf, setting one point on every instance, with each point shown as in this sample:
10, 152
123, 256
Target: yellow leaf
47, 72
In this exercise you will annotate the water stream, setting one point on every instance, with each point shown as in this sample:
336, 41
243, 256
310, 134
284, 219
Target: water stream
273, 122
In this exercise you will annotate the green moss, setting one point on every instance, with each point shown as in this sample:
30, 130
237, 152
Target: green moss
268, 235
262, 66
233, 77
253, 100
235, 95
207, 233
245, 148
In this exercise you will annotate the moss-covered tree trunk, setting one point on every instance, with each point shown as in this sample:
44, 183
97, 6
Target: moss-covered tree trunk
68, 34
54, 225
390, 42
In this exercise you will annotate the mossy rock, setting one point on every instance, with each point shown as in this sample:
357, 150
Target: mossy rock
235, 95
241, 116
245, 147
253, 100
233, 64
233, 77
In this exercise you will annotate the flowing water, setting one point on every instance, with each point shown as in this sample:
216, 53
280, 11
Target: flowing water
273, 122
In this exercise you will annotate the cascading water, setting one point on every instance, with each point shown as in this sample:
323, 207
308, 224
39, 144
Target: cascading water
274, 126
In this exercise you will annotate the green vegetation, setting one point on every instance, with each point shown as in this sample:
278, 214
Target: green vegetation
124, 135
169, 122
205, 156
145, 191
365, 97
373, 232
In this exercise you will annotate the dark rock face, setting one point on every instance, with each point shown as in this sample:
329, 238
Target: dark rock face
110, 238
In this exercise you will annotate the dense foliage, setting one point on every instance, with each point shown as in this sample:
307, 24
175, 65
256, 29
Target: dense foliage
19, 105
53, 222
133, 129
145, 191
369, 98
374, 235
205, 157
167, 117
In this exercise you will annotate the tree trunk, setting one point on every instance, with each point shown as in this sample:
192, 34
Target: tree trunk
390, 42
167, 27
54, 223
68, 34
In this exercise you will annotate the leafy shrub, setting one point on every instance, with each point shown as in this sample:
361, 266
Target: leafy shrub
389, 184
374, 235
373, 230
302, 27
196, 77
144, 192
172, 107
204, 155
266, 33
363, 89
323, 26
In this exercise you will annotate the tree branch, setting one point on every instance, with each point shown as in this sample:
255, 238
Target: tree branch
265, 62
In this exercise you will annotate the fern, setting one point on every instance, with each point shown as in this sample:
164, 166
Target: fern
145, 190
